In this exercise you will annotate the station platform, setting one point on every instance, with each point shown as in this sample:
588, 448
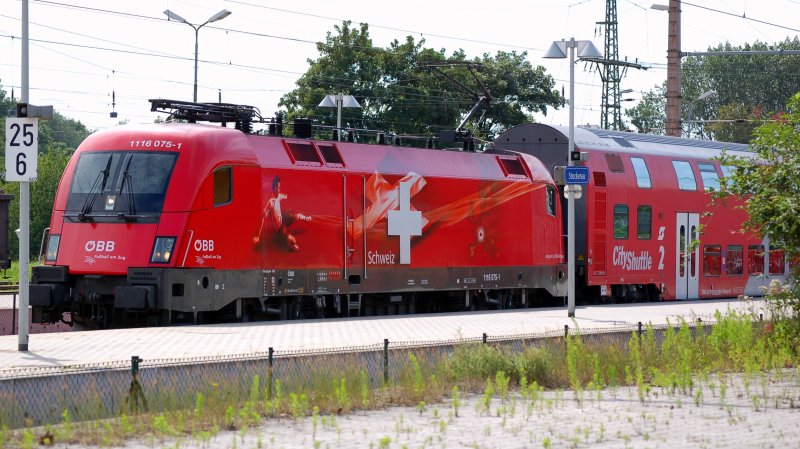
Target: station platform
68, 349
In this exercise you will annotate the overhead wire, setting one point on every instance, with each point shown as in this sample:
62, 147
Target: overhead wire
763, 22
372, 25
152, 53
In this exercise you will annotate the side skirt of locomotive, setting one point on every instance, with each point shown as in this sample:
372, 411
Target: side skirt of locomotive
162, 296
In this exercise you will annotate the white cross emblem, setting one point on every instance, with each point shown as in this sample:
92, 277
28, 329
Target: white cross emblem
405, 222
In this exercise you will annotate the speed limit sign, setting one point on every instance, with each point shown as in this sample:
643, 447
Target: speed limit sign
22, 148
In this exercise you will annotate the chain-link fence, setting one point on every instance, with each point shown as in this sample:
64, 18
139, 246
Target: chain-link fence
39, 396
9, 316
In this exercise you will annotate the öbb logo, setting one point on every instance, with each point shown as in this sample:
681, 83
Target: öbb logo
203, 245
100, 245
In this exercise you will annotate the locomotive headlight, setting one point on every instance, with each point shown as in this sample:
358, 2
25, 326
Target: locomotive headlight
52, 248
162, 250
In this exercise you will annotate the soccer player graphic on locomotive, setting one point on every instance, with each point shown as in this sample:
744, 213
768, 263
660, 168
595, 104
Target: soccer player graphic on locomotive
278, 220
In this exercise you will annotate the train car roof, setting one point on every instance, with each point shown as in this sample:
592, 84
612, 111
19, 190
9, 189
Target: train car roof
591, 138
206, 140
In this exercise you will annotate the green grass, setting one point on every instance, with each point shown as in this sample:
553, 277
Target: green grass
12, 274
672, 363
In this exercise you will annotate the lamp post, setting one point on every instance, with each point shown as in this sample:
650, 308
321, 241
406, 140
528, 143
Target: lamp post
218, 16
558, 50
339, 101
705, 95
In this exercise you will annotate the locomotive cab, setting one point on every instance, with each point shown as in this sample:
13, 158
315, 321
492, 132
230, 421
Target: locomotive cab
112, 204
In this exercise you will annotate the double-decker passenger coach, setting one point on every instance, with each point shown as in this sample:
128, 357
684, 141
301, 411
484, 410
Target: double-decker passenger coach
647, 227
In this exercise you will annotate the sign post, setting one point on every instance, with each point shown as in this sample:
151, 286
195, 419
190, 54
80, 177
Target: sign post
22, 152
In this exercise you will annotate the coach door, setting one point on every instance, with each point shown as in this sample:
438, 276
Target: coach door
686, 267
354, 223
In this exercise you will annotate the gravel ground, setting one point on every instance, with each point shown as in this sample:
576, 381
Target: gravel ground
755, 412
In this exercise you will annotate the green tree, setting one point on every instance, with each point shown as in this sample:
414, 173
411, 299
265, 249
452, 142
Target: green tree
649, 115
736, 123
770, 184
399, 92
748, 90
770, 180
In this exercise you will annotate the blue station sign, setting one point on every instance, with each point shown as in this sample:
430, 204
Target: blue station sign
576, 175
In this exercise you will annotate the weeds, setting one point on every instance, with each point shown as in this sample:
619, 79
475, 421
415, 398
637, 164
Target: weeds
502, 381
488, 392
574, 349
672, 361
364, 390
341, 396
419, 385
456, 400
66, 425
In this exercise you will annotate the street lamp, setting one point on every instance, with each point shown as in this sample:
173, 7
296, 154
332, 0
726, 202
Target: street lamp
704, 96
558, 50
339, 101
218, 16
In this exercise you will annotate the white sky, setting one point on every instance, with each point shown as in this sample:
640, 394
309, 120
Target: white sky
255, 55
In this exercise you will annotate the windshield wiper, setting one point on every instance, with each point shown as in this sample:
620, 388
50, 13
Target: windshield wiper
93, 194
126, 180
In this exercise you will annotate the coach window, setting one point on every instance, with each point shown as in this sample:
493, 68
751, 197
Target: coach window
223, 186
620, 221
755, 260
685, 175
710, 177
551, 200
712, 260
614, 162
644, 222
734, 263
777, 261
642, 173
727, 172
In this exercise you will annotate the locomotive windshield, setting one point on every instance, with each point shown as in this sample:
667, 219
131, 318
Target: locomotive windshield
120, 183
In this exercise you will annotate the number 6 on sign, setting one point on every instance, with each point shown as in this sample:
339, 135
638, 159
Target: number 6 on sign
22, 149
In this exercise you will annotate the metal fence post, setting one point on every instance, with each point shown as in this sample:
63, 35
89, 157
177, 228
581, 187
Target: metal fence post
639, 329
14, 314
485, 337
135, 393
385, 360
269, 374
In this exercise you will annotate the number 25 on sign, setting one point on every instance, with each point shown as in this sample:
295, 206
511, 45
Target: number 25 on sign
22, 149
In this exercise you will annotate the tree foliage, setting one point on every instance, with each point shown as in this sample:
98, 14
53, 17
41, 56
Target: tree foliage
770, 181
649, 115
399, 92
749, 89
770, 184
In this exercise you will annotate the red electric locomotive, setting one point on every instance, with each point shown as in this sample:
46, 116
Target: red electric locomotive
646, 225
182, 222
